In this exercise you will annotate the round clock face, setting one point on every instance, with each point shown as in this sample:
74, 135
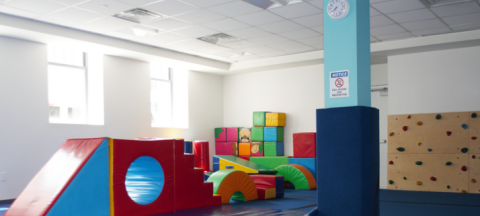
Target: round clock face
338, 9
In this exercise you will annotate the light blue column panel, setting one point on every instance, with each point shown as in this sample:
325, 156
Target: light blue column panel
347, 48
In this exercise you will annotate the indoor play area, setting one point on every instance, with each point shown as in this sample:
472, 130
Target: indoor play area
239, 107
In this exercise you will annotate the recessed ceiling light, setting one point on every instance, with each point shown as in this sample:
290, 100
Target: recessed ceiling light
437, 3
139, 15
143, 31
219, 38
269, 4
104, 6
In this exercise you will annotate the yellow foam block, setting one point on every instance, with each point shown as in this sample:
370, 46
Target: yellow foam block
227, 165
270, 193
244, 149
275, 119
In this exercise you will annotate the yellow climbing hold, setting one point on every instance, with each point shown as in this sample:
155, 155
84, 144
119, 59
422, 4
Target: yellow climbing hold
463, 191
419, 123
473, 180
419, 143
392, 133
418, 183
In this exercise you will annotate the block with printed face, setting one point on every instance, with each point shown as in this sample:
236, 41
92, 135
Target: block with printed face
244, 135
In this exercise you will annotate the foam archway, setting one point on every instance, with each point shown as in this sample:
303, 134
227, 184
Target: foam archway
298, 175
233, 184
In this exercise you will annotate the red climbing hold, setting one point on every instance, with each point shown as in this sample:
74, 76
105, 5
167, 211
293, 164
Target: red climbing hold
409, 117
404, 128
464, 168
473, 156
391, 162
449, 133
433, 178
474, 138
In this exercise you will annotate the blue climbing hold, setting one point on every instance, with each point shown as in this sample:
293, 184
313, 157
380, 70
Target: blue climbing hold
430, 150
464, 126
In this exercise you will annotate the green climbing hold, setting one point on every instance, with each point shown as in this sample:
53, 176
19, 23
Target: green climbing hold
464, 150
390, 182
448, 163
474, 115
404, 178
448, 186
419, 163
438, 116
400, 149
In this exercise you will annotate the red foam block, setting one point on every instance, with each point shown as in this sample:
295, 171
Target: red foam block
201, 150
304, 145
245, 157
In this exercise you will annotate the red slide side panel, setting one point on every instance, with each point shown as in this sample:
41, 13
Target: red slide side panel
43, 191
127, 151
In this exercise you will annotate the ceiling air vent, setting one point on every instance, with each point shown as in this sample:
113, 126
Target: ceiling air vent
219, 38
436, 3
139, 15
269, 4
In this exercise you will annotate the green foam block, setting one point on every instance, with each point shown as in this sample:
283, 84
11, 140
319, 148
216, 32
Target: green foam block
270, 162
259, 119
257, 134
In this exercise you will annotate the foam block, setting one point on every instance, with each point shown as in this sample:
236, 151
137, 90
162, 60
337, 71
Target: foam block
220, 134
273, 134
244, 149
202, 154
275, 119
245, 157
228, 183
266, 193
226, 148
304, 145
232, 134
259, 119
244, 135
256, 149
270, 162
300, 176
216, 164
274, 148
270, 181
257, 133
188, 146
308, 163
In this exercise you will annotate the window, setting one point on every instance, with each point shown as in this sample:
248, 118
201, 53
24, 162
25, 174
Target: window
69, 87
168, 96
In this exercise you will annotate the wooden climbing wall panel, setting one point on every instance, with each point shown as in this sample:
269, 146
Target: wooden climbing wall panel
435, 149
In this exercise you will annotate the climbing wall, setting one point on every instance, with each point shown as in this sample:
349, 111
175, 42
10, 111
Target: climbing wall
434, 152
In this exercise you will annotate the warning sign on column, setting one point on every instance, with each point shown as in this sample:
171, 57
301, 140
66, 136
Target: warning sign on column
339, 84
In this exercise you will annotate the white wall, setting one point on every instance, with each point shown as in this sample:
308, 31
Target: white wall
28, 140
295, 91
431, 82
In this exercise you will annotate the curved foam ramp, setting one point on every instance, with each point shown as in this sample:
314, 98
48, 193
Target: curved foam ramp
235, 163
298, 175
233, 184
308, 163
75, 176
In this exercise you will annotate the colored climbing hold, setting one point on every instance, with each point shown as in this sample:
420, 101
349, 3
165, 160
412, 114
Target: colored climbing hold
438, 116
474, 115
404, 178
418, 182
419, 123
473, 180
464, 168
400, 149
409, 117
474, 138
464, 150
448, 186
391, 162
449, 133
448, 163
429, 150
404, 128
464, 191
419, 163
390, 182
473, 156
419, 143
464, 126
392, 133
433, 178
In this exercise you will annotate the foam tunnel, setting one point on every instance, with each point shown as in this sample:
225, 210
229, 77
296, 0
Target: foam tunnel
233, 184
298, 175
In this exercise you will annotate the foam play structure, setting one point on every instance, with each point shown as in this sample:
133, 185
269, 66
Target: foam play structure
223, 162
233, 184
434, 152
105, 176
298, 175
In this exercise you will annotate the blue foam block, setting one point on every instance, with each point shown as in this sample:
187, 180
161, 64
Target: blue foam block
216, 164
270, 134
188, 147
348, 153
308, 163
280, 149
88, 193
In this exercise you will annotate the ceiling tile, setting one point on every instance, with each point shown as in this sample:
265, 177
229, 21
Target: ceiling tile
213, 49
236, 8
206, 3
280, 27
168, 37
378, 21
462, 19
195, 31
259, 18
138, 2
169, 24
376, 1
171, 7
270, 39
316, 3
318, 46
286, 45
299, 50
273, 54
259, 49
19, 12
374, 12
427, 32
385, 30
300, 34
424, 24
129, 31
226, 25
318, 29
37, 6
56, 21
109, 23
76, 15
240, 44
69, 2
372, 39
466, 27
396, 6
312, 41
192, 44
296, 10
395, 36
200, 16
248, 33
108, 7
410, 16
310, 21
245, 57
456, 9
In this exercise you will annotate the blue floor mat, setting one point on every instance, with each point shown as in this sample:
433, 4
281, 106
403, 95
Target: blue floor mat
226, 210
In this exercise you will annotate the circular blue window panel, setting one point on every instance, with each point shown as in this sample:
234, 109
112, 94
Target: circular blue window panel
144, 180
